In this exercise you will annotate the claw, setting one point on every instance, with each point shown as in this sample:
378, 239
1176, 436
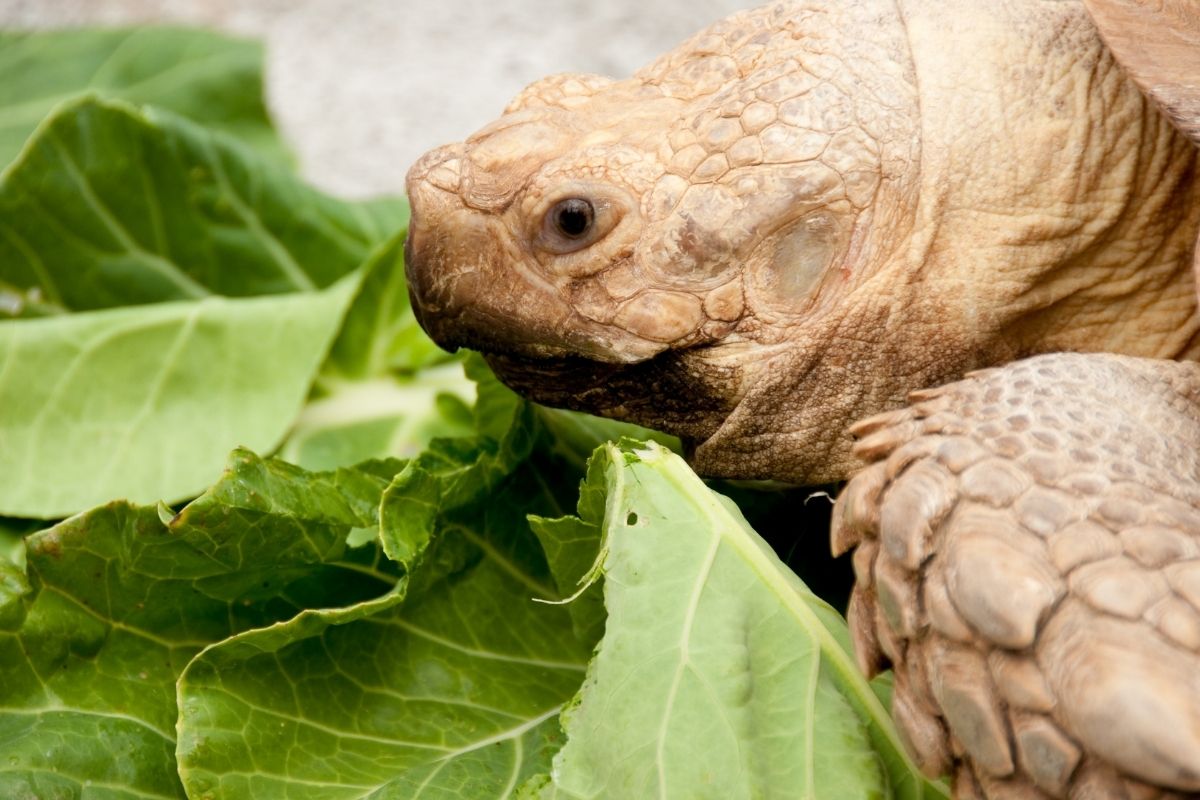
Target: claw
918, 501
861, 618
856, 512
877, 422
881, 443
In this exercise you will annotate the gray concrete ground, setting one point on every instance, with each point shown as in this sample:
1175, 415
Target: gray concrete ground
362, 87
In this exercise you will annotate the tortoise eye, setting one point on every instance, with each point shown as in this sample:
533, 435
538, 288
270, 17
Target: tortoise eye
573, 218
576, 222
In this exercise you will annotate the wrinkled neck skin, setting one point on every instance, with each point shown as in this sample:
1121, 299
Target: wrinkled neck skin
1077, 199
1053, 209
807, 212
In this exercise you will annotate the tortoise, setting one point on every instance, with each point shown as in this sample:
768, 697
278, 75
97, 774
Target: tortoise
809, 214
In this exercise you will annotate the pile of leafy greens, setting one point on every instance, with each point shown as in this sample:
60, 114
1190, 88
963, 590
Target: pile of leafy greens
262, 539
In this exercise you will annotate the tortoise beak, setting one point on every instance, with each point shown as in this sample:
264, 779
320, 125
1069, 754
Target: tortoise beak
443, 272
439, 266
462, 284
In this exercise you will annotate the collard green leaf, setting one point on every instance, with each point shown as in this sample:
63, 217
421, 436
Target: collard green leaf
109, 206
455, 473
13, 583
386, 389
573, 548
381, 335
144, 403
719, 675
451, 691
118, 600
388, 416
12, 538
576, 435
162, 232
210, 78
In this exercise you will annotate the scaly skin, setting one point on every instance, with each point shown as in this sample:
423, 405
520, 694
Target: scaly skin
1028, 556
810, 210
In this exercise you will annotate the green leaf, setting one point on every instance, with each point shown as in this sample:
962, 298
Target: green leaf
117, 602
576, 435
205, 76
109, 207
382, 417
496, 406
451, 691
386, 389
455, 473
381, 333
13, 583
574, 550
162, 232
144, 403
719, 675
12, 539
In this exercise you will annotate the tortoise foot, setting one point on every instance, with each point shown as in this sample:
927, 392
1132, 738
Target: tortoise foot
1028, 560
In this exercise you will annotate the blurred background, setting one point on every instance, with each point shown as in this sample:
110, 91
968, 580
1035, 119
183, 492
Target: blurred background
360, 88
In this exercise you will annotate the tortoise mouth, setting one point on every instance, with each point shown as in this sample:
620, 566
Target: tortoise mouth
676, 391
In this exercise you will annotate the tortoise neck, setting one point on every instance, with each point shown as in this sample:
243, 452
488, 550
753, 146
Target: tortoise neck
1058, 209
1131, 290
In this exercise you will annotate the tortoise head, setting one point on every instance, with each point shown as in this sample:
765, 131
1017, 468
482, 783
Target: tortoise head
748, 243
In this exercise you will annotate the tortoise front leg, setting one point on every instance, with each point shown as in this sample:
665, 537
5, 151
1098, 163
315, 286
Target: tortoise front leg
1029, 561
